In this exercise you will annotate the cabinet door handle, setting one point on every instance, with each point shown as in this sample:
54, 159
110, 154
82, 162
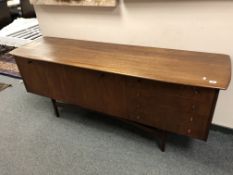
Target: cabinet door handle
29, 61
196, 91
102, 75
139, 80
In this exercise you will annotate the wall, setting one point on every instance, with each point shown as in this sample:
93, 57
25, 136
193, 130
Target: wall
199, 25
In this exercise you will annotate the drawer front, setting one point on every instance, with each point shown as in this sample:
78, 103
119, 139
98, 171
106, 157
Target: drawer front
176, 108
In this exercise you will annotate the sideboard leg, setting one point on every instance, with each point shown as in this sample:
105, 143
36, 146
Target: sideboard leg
163, 140
55, 107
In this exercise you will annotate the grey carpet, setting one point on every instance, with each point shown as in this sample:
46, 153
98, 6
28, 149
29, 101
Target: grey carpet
34, 142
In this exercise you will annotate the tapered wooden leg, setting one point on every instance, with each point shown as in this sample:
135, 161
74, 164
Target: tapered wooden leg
55, 107
163, 139
161, 135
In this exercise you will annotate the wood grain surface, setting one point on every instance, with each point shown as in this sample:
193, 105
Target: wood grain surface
166, 65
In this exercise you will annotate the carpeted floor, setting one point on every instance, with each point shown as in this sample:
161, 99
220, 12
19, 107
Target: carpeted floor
34, 142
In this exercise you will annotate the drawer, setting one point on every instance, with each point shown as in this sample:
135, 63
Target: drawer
154, 88
168, 108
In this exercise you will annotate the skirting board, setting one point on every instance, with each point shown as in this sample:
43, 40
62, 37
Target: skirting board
222, 129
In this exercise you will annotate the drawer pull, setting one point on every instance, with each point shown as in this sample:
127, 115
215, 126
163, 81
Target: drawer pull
196, 91
193, 108
29, 62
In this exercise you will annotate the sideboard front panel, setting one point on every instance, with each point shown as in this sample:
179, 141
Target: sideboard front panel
180, 109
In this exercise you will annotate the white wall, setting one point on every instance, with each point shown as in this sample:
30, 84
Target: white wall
199, 25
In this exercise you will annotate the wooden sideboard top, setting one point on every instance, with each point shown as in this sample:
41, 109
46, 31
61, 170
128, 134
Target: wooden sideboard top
167, 65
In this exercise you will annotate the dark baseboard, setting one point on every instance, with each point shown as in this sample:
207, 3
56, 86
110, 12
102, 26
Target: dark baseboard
222, 129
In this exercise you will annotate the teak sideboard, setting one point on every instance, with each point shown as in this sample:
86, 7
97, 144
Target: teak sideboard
166, 90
